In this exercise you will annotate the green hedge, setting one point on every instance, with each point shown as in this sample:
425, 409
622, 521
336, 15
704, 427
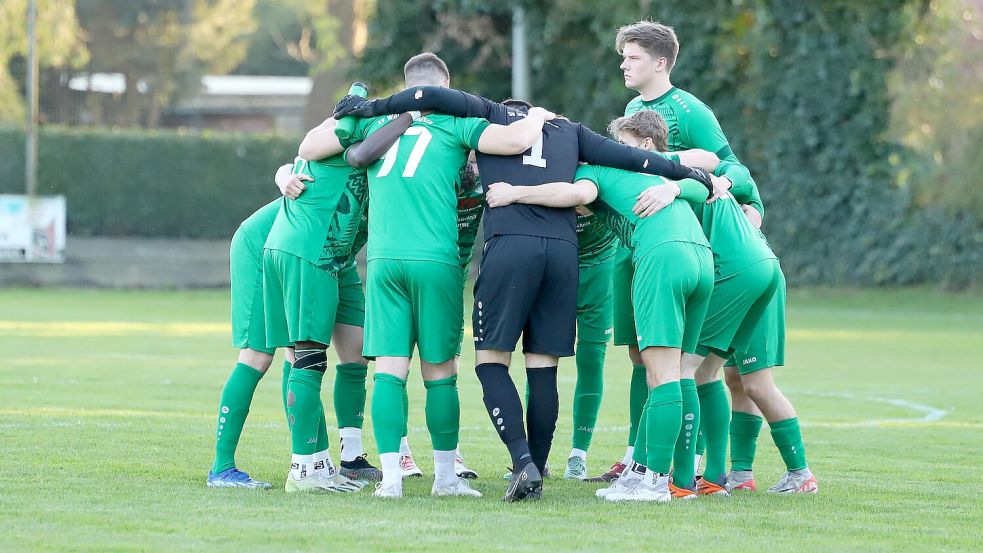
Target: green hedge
154, 184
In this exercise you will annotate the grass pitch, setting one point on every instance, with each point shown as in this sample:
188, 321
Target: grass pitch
108, 404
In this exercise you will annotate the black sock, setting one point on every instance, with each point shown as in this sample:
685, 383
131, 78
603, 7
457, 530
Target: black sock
505, 410
541, 413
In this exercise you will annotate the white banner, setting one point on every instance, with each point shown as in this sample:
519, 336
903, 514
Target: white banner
32, 230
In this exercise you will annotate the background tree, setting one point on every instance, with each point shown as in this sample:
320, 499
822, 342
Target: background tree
162, 47
60, 44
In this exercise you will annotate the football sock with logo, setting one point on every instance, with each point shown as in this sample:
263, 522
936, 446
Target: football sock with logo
542, 412
349, 407
283, 389
304, 407
233, 408
443, 411
665, 417
387, 411
637, 397
587, 392
683, 465
788, 439
505, 410
715, 415
744, 431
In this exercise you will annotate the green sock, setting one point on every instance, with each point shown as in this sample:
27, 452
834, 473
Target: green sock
715, 414
322, 431
744, 430
665, 417
587, 392
349, 394
701, 440
637, 397
305, 410
684, 456
406, 413
639, 455
443, 410
788, 438
233, 408
388, 417
283, 389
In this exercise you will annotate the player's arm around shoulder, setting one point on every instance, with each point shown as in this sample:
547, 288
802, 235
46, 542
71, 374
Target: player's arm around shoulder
708, 161
378, 143
516, 138
321, 141
552, 194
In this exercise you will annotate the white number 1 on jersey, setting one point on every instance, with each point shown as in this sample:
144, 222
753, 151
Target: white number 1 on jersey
535, 157
415, 154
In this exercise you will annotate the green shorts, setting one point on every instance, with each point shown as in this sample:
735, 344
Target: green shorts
594, 303
622, 309
736, 306
301, 300
351, 298
246, 279
767, 344
411, 303
671, 293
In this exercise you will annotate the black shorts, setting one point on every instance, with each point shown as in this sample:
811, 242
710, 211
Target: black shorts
526, 285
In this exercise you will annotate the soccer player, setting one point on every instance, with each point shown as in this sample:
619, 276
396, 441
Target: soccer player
469, 210
671, 291
540, 302
413, 282
249, 334
746, 275
649, 52
309, 246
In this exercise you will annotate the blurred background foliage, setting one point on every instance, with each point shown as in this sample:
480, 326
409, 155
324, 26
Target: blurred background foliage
861, 121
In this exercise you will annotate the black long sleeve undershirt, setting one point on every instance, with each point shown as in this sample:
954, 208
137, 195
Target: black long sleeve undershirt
594, 148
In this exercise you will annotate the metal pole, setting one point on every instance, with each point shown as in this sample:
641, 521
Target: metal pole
520, 56
31, 158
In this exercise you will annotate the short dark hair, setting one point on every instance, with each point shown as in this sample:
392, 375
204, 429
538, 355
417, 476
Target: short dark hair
425, 69
655, 38
520, 105
643, 124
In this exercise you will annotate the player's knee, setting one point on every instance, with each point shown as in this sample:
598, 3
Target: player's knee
634, 355
733, 380
255, 359
757, 386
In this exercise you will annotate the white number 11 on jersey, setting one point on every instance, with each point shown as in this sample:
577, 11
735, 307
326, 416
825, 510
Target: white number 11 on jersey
415, 154
535, 157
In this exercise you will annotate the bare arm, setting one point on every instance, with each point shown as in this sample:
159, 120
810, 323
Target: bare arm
553, 194
703, 159
377, 143
320, 141
506, 140
290, 185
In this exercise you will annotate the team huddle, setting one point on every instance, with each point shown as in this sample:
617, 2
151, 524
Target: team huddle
654, 234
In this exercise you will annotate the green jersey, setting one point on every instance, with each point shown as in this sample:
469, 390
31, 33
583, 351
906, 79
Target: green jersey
617, 192
257, 226
320, 225
412, 189
692, 124
736, 244
595, 241
470, 207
